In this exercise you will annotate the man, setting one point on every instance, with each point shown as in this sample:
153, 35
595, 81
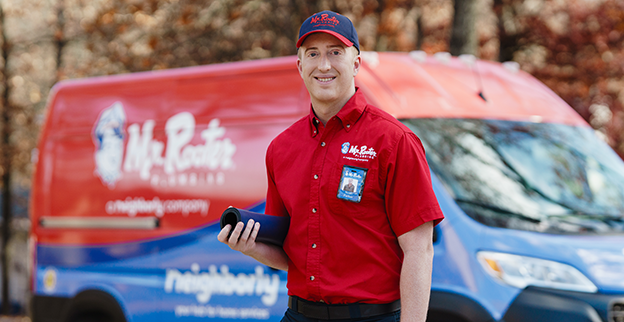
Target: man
342, 253
349, 187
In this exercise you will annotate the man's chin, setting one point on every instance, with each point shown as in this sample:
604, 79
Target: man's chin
324, 96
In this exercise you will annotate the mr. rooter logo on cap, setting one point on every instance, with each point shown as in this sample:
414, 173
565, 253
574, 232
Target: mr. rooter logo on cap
324, 20
331, 23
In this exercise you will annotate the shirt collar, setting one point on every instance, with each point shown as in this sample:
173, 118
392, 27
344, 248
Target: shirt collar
348, 115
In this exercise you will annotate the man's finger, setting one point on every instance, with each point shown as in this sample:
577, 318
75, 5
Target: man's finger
254, 232
236, 233
223, 234
247, 232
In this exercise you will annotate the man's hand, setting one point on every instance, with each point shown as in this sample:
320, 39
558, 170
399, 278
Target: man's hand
242, 241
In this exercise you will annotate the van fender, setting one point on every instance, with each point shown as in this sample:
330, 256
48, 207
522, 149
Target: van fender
453, 307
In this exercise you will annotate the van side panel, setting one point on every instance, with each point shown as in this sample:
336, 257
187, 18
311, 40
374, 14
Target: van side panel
133, 175
180, 150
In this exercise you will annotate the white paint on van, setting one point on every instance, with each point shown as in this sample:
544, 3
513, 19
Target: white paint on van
143, 152
214, 282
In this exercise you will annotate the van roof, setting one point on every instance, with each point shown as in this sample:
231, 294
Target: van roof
406, 85
416, 85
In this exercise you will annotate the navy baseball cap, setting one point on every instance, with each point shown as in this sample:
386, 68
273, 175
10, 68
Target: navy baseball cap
331, 23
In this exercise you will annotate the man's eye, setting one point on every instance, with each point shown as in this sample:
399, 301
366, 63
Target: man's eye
312, 54
336, 52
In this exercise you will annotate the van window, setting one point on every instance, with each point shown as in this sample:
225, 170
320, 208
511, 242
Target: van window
544, 177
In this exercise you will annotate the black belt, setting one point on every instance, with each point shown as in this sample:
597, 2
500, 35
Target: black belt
322, 311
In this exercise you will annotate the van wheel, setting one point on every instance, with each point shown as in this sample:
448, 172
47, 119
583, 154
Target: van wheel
94, 306
92, 317
444, 317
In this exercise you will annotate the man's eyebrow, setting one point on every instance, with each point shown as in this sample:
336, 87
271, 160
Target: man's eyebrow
330, 46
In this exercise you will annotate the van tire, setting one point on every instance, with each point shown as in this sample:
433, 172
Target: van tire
94, 306
444, 317
92, 318
452, 307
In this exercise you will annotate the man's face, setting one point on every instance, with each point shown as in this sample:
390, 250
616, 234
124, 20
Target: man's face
328, 68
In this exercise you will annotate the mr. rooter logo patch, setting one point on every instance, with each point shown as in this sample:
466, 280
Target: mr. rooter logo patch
324, 20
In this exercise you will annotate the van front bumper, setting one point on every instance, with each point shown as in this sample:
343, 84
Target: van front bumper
547, 305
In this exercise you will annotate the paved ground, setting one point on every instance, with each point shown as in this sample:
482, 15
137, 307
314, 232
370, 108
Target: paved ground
14, 318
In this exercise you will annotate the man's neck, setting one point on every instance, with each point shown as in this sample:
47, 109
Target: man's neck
326, 110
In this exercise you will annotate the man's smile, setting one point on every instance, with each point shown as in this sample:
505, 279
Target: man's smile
325, 79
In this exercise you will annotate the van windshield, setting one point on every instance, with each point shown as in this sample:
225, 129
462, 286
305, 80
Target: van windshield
544, 177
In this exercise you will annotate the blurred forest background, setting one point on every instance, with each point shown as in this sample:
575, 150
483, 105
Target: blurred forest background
576, 47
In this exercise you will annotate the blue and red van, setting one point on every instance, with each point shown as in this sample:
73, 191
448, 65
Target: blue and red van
134, 171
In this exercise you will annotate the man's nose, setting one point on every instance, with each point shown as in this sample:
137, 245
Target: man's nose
324, 64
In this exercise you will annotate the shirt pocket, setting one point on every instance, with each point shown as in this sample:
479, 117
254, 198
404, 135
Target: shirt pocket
371, 199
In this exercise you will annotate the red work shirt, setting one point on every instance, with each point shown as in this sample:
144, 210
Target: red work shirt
342, 246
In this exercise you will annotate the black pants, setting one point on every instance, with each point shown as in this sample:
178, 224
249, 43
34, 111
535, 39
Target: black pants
292, 316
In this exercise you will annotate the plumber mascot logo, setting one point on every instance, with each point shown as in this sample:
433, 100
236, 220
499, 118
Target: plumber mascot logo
174, 162
108, 136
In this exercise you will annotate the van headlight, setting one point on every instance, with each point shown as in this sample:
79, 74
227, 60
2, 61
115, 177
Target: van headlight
522, 271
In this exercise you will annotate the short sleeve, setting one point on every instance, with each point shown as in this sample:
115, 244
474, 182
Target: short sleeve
410, 200
274, 204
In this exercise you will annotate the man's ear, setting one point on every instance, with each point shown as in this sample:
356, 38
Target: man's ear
357, 63
299, 67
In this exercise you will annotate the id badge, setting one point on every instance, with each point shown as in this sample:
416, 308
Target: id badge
352, 183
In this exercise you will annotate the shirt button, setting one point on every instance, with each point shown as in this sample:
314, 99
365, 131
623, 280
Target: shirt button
316, 176
348, 126
313, 210
322, 143
311, 278
313, 245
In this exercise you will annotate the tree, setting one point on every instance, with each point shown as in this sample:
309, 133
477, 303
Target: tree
577, 49
7, 152
464, 34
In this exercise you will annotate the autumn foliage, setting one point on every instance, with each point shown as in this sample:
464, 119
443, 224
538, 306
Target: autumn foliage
576, 47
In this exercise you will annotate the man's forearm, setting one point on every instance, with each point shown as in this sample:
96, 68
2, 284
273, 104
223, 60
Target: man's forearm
415, 287
270, 255
416, 273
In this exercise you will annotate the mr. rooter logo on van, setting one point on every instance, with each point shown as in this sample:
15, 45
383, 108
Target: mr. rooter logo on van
171, 163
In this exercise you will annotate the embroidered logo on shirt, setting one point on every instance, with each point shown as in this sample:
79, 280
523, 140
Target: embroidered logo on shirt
358, 153
345, 147
352, 183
